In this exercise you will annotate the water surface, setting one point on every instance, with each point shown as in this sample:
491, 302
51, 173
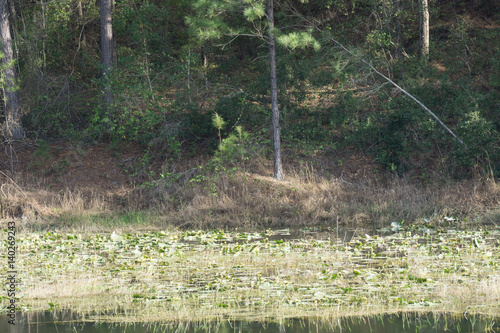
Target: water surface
66, 322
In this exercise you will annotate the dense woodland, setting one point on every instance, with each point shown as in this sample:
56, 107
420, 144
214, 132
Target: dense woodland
412, 85
169, 66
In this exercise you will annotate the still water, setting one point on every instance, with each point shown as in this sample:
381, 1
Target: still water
64, 322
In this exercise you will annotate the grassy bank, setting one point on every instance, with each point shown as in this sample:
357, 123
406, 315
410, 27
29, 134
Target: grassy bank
271, 275
247, 198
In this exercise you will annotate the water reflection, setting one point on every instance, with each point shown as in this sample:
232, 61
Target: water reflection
67, 322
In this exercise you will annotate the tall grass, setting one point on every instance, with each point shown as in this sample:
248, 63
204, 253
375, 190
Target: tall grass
307, 198
248, 199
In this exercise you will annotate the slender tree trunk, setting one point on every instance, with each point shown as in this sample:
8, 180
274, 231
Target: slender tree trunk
106, 50
81, 23
14, 128
424, 29
44, 38
397, 12
278, 167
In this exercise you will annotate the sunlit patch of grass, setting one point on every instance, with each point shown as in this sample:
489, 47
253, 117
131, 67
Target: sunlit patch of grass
205, 275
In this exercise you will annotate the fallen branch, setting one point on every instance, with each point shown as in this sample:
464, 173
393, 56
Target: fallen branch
402, 90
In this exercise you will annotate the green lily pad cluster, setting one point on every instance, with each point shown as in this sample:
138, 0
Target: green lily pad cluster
186, 275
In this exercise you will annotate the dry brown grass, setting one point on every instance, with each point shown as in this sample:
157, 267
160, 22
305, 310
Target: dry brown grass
251, 198
34, 204
308, 199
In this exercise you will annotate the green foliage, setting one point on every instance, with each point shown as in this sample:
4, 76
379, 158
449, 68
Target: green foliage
481, 139
303, 125
402, 137
56, 61
134, 114
232, 152
216, 19
377, 41
495, 71
144, 28
234, 147
395, 135
208, 22
218, 122
159, 79
255, 11
197, 125
299, 39
57, 109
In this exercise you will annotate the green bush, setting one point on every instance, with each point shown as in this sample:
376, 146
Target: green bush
481, 139
399, 134
233, 149
134, 114
196, 125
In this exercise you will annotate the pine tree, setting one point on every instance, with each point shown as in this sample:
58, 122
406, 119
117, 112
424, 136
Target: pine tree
214, 20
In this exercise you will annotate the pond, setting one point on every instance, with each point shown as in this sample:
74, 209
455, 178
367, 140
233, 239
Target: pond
66, 322
268, 276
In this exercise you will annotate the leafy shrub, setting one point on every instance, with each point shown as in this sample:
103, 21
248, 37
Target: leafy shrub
305, 125
481, 139
196, 125
398, 135
133, 116
42, 156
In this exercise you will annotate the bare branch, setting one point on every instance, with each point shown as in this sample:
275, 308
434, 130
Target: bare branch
402, 90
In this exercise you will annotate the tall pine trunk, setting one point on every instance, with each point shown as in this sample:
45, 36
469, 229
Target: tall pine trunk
106, 51
14, 128
397, 13
278, 167
424, 29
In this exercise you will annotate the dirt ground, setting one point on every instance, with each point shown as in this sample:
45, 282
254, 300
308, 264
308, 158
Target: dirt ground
67, 166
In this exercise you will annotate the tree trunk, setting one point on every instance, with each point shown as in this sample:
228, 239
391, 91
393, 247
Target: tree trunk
12, 11
397, 12
278, 167
81, 24
106, 50
44, 38
397, 15
13, 126
424, 29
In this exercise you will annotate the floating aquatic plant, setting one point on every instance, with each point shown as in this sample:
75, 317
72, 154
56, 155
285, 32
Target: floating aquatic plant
271, 274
